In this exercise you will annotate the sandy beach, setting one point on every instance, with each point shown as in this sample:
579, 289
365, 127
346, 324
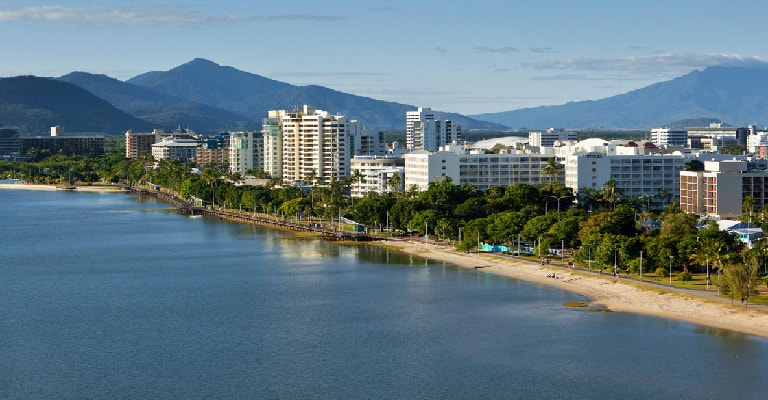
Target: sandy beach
614, 293
86, 188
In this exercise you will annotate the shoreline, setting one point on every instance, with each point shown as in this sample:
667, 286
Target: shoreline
612, 293
42, 187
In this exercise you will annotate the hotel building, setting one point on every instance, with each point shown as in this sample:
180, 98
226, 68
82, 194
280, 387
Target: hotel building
183, 150
476, 168
638, 171
719, 191
669, 137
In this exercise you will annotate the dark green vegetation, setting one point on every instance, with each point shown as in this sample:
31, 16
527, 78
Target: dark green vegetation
35, 104
606, 227
734, 94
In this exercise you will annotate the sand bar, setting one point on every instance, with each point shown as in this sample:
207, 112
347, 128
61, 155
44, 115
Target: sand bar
615, 294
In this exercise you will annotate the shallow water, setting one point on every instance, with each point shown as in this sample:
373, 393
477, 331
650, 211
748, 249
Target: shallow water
106, 295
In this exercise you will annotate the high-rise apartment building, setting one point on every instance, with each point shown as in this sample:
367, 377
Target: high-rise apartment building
424, 132
273, 145
414, 122
308, 143
246, 152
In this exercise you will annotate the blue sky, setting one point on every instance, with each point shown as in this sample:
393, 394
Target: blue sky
476, 56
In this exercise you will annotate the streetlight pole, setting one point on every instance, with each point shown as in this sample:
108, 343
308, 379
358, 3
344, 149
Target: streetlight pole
562, 245
641, 265
707, 274
539, 246
670, 271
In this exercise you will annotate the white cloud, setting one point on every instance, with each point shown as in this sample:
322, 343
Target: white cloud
169, 15
543, 50
649, 65
502, 49
335, 74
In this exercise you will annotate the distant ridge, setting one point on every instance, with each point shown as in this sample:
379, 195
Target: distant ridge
35, 104
162, 110
205, 82
735, 94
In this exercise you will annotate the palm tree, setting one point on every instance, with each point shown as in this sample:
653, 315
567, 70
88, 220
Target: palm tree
210, 175
748, 206
610, 192
662, 196
358, 177
552, 170
394, 182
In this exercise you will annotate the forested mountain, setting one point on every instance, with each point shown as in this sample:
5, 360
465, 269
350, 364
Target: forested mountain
35, 104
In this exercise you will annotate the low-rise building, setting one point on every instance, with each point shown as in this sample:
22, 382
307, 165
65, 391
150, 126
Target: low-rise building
669, 137
480, 169
376, 173
550, 136
9, 141
66, 145
184, 150
137, 144
637, 171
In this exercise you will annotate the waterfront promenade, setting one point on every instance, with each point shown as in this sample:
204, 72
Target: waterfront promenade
252, 218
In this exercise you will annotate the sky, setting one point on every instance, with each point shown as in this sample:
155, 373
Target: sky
471, 57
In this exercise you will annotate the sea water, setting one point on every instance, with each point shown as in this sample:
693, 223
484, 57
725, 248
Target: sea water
108, 295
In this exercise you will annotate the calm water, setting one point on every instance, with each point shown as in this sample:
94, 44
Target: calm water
106, 296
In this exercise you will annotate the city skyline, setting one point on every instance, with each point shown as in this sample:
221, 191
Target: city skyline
486, 56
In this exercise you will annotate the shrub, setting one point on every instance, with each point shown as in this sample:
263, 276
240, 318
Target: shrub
683, 277
661, 272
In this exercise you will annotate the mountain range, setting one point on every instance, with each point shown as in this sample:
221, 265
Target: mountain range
738, 95
200, 94
208, 97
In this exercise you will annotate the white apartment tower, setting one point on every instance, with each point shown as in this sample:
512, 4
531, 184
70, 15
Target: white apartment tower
245, 152
307, 142
424, 132
415, 122
273, 145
